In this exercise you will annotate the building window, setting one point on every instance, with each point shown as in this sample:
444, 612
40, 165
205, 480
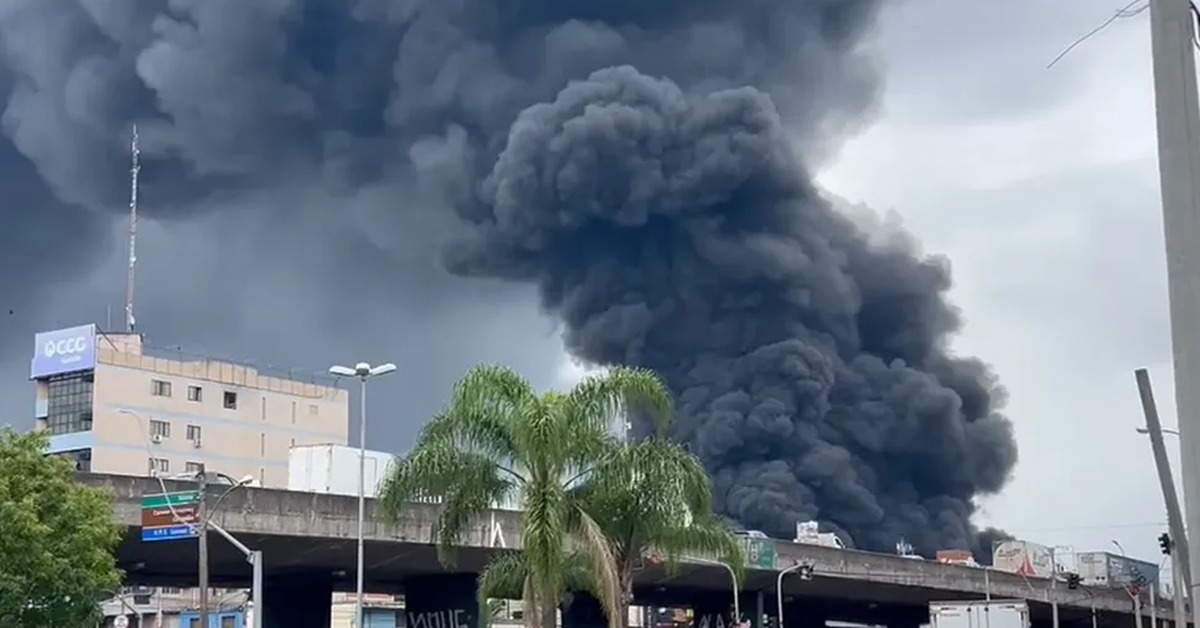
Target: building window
193, 622
69, 403
230, 400
159, 465
195, 393
161, 429
193, 467
293, 413
193, 433
262, 444
80, 458
262, 476
313, 409
263, 409
159, 388
228, 622
170, 590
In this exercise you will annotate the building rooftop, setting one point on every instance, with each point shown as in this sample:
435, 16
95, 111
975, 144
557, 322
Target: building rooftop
129, 350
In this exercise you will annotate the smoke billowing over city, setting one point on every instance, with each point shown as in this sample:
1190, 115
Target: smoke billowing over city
645, 166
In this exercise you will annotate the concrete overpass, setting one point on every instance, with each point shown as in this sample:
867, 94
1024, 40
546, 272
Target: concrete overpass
308, 541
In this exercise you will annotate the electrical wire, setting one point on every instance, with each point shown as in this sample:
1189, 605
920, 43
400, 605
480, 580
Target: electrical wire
1124, 12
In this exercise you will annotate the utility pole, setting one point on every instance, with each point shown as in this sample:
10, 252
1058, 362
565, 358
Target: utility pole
1179, 546
1177, 113
202, 520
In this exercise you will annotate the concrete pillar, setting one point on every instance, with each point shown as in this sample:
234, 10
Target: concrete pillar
441, 601
296, 603
584, 611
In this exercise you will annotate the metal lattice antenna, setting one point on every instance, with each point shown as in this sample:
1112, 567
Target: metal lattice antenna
133, 194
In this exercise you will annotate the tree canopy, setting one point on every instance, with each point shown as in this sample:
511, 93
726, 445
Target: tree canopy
592, 503
57, 538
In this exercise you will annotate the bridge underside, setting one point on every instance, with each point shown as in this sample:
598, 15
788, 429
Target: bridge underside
307, 564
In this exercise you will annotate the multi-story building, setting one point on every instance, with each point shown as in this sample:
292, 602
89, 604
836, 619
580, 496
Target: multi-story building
117, 406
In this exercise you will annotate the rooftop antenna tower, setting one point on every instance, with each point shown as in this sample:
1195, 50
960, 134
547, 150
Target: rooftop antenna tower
133, 192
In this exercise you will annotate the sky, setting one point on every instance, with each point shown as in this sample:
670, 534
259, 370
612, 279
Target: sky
1039, 184
1042, 186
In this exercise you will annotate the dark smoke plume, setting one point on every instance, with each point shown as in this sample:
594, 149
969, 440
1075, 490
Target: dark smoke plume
645, 164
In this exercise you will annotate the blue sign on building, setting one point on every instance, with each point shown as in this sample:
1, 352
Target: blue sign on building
63, 351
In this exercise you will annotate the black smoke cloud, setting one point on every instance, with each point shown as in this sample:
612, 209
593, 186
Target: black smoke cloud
678, 231
643, 165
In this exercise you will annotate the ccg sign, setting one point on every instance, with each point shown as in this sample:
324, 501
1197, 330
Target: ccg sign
64, 351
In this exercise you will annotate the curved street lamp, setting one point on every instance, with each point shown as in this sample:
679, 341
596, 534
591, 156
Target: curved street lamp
806, 572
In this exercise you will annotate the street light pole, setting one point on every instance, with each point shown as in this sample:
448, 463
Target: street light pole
363, 371
779, 588
202, 519
737, 608
203, 523
1137, 597
254, 557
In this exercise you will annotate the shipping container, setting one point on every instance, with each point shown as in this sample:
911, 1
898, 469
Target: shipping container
1024, 558
334, 469
979, 614
1105, 569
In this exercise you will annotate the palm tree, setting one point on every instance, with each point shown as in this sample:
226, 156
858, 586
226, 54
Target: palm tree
653, 496
498, 440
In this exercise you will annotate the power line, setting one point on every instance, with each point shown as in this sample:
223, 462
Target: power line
1124, 12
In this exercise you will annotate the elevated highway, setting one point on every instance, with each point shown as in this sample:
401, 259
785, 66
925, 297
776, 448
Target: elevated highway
308, 541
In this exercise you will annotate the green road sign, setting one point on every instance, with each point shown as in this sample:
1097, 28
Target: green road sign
166, 500
760, 554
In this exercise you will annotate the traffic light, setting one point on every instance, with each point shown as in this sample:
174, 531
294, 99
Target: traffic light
1165, 543
1073, 580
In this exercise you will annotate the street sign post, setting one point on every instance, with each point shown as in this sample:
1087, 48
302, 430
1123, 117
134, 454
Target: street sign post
170, 516
760, 554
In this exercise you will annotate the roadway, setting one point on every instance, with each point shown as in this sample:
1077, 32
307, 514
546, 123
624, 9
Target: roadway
312, 536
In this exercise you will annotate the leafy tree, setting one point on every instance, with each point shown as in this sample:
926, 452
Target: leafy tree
498, 440
653, 496
57, 538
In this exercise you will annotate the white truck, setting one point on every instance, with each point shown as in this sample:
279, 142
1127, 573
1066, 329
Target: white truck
808, 533
979, 614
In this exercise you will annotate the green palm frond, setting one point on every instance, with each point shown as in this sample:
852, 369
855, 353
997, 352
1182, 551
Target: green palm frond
589, 501
503, 577
603, 400
606, 582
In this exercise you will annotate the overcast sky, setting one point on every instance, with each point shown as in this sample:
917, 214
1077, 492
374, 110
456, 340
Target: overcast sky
1039, 184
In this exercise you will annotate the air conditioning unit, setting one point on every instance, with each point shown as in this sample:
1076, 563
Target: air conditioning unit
156, 439
196, 443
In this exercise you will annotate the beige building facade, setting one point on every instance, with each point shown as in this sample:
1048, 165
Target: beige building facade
119, 407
